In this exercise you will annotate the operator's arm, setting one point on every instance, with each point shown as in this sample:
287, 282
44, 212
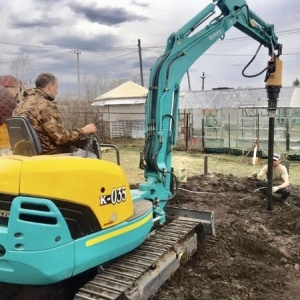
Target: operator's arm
53, 127
262, 173
285, 177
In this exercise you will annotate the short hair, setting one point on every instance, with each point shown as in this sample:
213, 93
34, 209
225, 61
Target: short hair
43, 79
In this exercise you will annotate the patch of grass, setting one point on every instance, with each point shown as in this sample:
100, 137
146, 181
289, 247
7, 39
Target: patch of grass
194, 163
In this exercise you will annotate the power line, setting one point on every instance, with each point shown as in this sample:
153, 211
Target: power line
55, 47
53, 55
129, 47
144, 49
29, 46
149, 49
44, 56
107, 59
93, 62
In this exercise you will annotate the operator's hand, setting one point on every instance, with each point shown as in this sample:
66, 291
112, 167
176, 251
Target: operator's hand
275, 189
89, 128
254, 174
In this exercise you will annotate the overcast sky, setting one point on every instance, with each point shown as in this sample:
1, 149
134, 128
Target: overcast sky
106, 34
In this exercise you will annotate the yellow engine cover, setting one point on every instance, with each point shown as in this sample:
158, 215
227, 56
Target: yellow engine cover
9, 175
99, 184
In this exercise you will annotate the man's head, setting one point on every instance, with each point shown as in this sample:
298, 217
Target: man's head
48, 83
276, 160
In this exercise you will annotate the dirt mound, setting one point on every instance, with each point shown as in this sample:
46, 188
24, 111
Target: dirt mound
255, 254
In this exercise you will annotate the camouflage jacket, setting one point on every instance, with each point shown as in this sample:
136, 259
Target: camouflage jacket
45, 118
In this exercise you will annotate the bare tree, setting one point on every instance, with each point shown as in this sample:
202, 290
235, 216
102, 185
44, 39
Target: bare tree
20, 66
77, 113
97, 84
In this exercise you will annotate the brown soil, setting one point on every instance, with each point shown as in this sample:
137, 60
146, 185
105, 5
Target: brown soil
255, 254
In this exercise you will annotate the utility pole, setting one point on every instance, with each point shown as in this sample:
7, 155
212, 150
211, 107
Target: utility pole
203, 77
141, 64
77, 52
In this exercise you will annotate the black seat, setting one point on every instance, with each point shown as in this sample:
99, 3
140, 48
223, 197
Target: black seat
24, 139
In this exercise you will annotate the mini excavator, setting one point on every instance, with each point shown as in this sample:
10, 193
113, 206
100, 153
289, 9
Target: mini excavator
63, 215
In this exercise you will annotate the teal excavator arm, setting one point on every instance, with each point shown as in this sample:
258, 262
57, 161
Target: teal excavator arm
183, 48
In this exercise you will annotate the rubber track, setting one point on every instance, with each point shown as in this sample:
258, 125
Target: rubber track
121, 275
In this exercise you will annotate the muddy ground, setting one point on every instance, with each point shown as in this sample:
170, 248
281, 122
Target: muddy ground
255, 254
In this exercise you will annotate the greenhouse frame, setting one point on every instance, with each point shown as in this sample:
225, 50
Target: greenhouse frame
233, 120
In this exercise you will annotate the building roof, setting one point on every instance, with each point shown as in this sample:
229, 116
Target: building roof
127, 90
10, 81
126, 101
239, 98
7, 104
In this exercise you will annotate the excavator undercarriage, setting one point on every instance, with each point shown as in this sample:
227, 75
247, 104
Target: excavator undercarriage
139, 274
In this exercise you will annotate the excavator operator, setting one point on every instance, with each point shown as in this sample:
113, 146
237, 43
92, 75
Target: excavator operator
39, 108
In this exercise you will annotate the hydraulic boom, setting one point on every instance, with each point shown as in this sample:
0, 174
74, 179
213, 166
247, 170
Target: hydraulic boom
183, 48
